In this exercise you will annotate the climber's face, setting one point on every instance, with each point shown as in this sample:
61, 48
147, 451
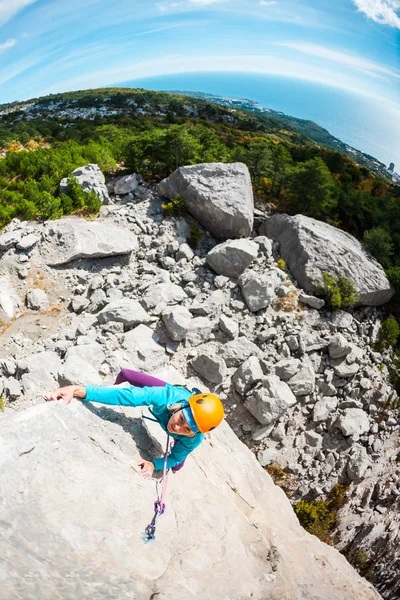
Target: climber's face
177, 424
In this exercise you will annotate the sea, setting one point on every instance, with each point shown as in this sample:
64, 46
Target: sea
372, 127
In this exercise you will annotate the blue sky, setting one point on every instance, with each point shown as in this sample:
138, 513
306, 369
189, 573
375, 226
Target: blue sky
48, 46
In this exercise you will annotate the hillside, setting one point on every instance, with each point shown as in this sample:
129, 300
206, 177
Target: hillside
308, 129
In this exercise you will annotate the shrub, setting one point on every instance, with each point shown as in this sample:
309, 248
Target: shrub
360, 561
390, 332
320, 516
195, 235
175, 208
338, 291
316, 517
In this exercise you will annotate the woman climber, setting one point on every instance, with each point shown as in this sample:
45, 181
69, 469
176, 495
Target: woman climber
184, 415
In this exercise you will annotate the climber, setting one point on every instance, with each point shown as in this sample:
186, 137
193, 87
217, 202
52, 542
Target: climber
183, 415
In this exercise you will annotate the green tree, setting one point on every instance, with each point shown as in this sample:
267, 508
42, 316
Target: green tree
257, 156
393, 274
281, 161
311, 189
390, 332
379, 243
180, 147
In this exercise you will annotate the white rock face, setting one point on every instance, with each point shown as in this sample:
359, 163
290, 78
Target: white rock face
91, 179
237, 351
311, 247
92, 353
231, 258
269, 402
358, 463
218, 195
287, 368
86, 461
69, 239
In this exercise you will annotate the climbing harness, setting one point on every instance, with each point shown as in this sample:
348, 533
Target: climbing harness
148, 535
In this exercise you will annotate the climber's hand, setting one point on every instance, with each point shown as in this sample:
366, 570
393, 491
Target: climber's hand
64, 393
147, 469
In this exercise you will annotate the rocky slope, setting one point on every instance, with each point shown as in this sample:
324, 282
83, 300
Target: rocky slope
302, 386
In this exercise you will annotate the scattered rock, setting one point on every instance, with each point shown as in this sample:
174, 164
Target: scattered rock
231, 258
210, 366
270, 401
37, 299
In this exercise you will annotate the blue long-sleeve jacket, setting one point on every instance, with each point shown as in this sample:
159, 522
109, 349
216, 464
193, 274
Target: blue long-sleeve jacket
159, 398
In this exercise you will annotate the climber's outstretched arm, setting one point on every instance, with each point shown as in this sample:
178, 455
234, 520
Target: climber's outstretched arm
115, 396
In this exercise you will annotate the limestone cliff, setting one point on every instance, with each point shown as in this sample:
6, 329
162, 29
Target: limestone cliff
73, 508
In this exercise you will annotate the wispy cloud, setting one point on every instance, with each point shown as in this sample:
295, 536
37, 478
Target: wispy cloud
174, 64
381, 11
267, 2
7, 44
357, 62
9, 8
171, 4
205, 2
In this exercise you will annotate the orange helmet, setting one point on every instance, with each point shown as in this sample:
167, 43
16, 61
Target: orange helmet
207, 411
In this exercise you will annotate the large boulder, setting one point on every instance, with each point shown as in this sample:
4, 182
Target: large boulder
69, 239
218, 195
311, 247
62, 470
91, 179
